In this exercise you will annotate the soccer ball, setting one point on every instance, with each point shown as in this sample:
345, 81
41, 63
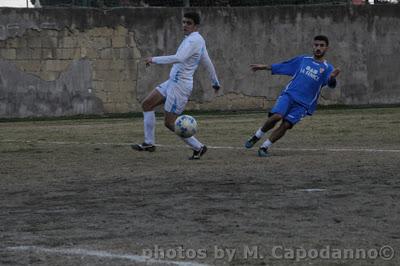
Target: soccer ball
185, 126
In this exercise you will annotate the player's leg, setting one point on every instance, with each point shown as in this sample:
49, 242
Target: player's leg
152, 100
277, 113
169, 120
294, 115
174, 105
275, 135
198, 148
269, 123
280, 131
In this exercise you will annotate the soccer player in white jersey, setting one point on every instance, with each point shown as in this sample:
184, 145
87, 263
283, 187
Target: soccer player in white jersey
299, 98
174, 93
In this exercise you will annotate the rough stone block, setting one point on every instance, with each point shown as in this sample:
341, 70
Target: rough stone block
106, 53
131, 39
89, 53
111, 75
29, 65
49, 42
17, 42
121, 31
48, 53
56, 65
100, 43
50, 75
98, 86
109, 107
68, 42
119, 42
63, 53
132, 69
101, 32
121, 107
136, 53
119, 64
124, 53
34, 42
9, 54
126, 87
36, 53
102, 64
24, 53
110, 86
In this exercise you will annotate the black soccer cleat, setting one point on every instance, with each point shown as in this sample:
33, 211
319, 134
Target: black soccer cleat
263, 152
197, 154
251, 141
144, 147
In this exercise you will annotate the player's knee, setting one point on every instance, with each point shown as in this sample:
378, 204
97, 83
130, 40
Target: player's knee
276, 117
146, 106
287, 125
169, 125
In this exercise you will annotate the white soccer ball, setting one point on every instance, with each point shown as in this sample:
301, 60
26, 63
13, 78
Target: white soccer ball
185, 126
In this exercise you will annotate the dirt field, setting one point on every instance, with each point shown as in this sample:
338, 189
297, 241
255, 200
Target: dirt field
74, 193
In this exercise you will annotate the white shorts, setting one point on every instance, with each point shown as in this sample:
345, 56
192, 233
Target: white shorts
176, 95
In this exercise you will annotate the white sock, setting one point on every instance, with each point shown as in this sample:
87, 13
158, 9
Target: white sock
149, 123
193, 143
266, 144
259, 134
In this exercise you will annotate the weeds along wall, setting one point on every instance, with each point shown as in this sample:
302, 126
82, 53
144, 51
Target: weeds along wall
63, 61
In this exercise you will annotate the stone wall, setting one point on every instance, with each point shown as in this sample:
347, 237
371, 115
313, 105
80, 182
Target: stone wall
56, 62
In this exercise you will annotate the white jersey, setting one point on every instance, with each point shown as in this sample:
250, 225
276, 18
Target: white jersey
190, 53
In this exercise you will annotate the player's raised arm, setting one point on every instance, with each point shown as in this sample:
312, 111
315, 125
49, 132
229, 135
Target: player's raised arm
206, 62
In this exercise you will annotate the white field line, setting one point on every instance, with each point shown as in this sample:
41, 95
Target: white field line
211, 147
102, 254
312, 190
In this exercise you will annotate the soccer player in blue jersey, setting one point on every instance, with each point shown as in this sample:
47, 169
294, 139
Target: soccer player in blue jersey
299, 98
174, 93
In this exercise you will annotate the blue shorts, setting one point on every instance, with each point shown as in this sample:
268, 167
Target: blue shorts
290, 110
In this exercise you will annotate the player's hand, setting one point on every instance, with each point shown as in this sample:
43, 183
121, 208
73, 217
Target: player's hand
256, 67
335, 73
148, 61
216, 88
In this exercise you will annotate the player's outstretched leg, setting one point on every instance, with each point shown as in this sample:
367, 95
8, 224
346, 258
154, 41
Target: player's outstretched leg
251, 141
270, 123
198, 148
197, 154
263, 150
275, 135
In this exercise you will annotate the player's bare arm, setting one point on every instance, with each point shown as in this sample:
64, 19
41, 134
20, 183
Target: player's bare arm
256, 67
332, 78
148, 61
335, 73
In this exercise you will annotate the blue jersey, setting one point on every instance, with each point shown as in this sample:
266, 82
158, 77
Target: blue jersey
309, 76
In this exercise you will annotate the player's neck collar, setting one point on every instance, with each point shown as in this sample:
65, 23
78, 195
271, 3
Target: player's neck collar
322, 61
193, 32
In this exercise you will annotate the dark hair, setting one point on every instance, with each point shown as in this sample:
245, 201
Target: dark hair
193, 16
322, 38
